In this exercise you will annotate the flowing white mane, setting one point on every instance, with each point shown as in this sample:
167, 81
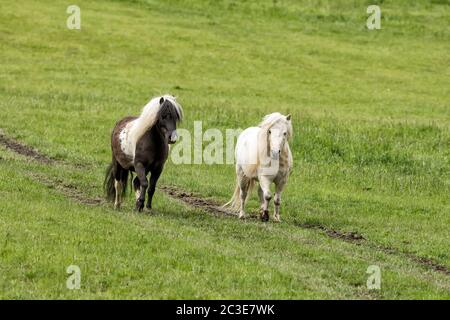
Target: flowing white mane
149, 116
271, 119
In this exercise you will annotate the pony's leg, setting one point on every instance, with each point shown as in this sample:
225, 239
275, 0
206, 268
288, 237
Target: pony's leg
119, 187
277, 203
261, 198
151, 190
244, 183
137, 187
265, 186
140, 172
279, 186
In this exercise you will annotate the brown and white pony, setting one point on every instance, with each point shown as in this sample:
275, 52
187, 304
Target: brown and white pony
141, 145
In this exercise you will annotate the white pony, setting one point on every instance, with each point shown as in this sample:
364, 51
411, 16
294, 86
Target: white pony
263, 154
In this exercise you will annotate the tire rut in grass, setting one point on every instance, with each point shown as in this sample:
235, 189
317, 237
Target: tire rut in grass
24, 150
349, 236
195, 201
356, 238
73, 192
68, 190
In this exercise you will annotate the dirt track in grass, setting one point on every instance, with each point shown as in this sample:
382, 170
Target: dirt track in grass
24, 150
73, 192
358, 239
68, 190
196, 201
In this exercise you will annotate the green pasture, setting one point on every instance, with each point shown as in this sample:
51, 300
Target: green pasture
371, 147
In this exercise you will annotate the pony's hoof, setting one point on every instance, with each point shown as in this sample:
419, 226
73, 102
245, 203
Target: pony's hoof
265, 216
276, 219
148, 209
139, 205
242, 216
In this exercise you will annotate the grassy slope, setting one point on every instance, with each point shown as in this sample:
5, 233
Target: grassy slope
372, 142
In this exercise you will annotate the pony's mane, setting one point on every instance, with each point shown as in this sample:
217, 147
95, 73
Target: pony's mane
149, 116
271, 119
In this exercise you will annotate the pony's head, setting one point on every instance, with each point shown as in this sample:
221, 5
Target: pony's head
278, 129
169, 115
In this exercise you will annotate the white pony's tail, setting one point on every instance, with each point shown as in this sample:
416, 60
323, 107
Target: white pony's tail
235, 201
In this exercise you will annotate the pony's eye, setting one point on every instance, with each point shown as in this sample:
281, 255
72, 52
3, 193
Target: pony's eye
270, 132
284, 133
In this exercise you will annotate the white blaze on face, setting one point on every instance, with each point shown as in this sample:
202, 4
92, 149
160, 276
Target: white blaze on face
276, 142
174, 136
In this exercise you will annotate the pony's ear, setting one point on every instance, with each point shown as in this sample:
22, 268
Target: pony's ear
161, 100
288, 117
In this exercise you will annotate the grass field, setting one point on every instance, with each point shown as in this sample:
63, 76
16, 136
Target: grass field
371, 116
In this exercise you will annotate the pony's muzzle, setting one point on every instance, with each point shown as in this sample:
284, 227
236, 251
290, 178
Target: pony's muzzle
173, 137
275, 154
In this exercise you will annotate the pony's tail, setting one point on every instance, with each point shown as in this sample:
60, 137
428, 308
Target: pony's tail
235, 200
108, 184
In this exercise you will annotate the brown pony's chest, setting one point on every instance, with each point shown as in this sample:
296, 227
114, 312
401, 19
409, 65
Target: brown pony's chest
151, 150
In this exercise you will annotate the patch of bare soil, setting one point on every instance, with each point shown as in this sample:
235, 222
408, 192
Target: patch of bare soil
349, 236
358, 239
24, 150
196, 201
430, 263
